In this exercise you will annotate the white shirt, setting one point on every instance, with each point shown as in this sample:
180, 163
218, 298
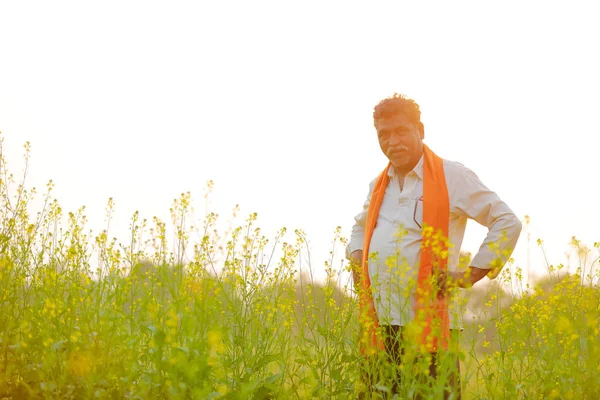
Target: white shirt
396, 238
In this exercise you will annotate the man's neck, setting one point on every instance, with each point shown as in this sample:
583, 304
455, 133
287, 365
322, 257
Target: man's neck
402, 172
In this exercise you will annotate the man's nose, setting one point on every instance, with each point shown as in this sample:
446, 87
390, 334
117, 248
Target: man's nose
394, 139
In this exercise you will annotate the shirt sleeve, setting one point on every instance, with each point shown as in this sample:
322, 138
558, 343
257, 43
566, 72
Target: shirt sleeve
357, 237
477, 202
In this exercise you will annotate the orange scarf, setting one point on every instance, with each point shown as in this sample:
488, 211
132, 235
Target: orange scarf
428, 308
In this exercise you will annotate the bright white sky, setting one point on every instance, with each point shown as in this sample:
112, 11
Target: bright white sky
143, 100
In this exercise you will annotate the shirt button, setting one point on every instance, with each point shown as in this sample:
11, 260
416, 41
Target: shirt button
401, 204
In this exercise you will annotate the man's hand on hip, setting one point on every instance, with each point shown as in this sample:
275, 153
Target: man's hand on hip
460, 279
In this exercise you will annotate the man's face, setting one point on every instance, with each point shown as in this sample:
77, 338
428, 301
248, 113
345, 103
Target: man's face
400, 140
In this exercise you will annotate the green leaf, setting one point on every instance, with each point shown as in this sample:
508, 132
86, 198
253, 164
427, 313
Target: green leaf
266, 359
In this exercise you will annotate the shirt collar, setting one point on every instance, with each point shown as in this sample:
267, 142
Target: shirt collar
417, 170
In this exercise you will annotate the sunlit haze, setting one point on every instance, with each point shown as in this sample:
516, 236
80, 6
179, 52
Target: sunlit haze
141, 101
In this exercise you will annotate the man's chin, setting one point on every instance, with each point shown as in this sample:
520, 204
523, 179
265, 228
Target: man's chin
398, 162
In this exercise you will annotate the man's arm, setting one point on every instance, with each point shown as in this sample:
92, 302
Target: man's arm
355, 264
477, 202
354, 250
462, 279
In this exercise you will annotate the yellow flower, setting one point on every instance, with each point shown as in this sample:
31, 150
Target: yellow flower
554, 394
563, 324
79, 364
173, 320
223, 389
215, 341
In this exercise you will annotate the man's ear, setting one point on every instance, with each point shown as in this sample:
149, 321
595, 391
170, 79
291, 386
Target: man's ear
422, 130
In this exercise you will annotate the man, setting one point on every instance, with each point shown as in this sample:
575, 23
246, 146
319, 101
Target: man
394, 269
